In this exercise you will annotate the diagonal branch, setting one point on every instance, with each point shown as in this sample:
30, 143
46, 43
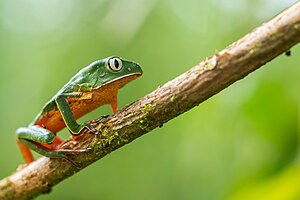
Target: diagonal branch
172, 99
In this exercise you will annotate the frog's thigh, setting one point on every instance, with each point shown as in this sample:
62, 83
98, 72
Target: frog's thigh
35, 134
32, 134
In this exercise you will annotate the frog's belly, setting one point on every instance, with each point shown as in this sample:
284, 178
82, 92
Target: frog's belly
53, 120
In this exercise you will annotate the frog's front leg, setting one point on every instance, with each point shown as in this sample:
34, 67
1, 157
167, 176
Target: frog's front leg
44, 142
68, 116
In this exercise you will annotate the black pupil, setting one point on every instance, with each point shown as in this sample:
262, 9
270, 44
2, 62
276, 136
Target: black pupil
116, 62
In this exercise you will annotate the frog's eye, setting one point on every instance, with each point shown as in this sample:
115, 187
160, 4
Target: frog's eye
115, 64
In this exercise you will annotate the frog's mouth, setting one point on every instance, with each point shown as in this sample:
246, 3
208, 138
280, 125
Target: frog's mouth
121, 81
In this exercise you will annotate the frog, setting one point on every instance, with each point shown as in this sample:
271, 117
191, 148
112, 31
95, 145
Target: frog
93, 86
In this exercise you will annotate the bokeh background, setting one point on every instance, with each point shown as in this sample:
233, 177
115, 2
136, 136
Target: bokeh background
241, 144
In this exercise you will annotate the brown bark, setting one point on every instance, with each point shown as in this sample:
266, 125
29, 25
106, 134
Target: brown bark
168, 101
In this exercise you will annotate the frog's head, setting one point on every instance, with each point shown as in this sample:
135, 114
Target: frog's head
113, 71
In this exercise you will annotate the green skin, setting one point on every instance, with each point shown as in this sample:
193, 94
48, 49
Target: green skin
92, 77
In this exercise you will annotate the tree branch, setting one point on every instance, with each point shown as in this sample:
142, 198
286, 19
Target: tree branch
168, 101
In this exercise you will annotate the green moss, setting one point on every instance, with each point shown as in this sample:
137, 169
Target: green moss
200, 69
116, 133
173, 98
113, 137
104, 132
297, 27
99, 145
210, 63
147, 108
252, 51
143, 123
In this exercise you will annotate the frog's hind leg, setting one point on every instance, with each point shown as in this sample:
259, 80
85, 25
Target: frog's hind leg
26, 153
43, 142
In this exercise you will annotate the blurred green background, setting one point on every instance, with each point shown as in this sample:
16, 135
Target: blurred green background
241, 144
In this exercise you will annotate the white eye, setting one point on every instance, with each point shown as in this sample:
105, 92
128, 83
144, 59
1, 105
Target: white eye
115, 64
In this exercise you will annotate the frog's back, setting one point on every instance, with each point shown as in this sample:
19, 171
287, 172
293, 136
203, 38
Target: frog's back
49, 117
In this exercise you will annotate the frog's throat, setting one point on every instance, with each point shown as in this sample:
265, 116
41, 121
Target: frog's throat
121, 81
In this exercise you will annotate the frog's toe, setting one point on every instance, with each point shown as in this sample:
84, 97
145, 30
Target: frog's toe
100, 119
92, 129
73, 162
66, 153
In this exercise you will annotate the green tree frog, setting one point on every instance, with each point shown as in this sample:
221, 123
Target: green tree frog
93, 86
